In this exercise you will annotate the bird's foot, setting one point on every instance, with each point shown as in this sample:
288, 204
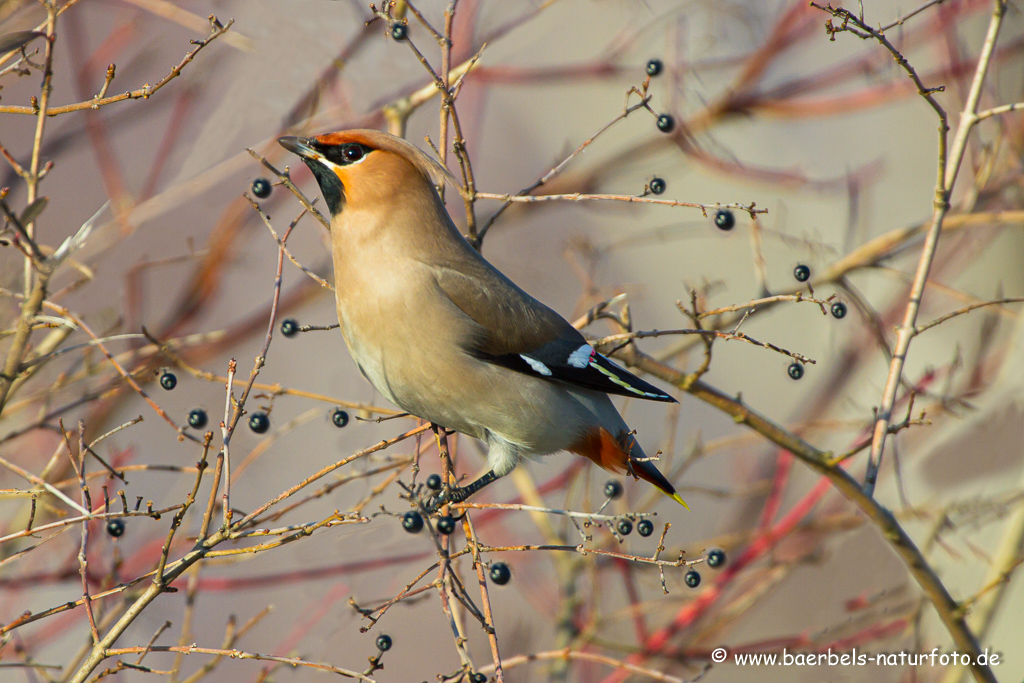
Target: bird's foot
447, 495
457, 494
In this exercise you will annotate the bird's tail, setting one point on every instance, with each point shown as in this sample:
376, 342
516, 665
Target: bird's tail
623, 454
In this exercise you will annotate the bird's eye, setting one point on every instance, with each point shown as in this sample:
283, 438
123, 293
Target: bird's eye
342, 154
352, 153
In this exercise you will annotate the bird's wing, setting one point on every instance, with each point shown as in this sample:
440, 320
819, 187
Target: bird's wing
516, 331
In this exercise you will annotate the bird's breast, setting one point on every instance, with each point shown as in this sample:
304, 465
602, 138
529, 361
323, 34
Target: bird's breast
403, 338
409, 340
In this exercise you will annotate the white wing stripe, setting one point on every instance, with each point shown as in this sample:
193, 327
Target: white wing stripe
537, 366
580, 358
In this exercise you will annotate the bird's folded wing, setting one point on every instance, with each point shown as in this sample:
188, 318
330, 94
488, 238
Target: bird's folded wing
514, 330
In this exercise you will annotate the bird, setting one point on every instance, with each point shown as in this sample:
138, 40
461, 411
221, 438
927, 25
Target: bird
448, 338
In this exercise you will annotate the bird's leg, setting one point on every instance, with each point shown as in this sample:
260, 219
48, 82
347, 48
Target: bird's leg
458, 494
461, 493
447, 467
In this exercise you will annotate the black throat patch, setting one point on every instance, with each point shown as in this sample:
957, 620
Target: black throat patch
330, 185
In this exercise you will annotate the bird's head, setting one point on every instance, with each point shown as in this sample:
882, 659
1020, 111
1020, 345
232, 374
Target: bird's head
361, 167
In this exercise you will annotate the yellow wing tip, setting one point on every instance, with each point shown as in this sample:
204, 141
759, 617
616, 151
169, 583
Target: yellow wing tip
679, 499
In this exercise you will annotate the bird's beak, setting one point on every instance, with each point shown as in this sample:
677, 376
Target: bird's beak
300, 146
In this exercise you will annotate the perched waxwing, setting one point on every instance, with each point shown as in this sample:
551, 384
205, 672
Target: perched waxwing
445, 336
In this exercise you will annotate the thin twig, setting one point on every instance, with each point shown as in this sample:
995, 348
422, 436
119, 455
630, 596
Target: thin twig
628, 198
145, 92
967, 309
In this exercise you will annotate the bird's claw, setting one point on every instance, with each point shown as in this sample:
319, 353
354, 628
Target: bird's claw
433, 503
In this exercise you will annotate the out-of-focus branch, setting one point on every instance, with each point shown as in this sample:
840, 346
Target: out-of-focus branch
949, 162
948, 609
42, 110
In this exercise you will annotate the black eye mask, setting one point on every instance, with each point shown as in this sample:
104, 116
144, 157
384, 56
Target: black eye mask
344, 154
339, 155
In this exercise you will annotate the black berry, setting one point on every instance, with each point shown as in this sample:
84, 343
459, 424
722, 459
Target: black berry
657, 185
434, 482
446, 524
290, 327
259, 423
384, 643
412, 522
654, 67
716, 558
839, 310
478, 678
724, 219
168, 381
666, 123
399, 32
645, 527
796, 370
624, 527
197, 418
261, 188
802, 273
115, 527
613, 489
692, 579
339, 417
500, 573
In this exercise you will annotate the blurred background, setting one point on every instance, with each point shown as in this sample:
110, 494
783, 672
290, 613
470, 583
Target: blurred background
830, 137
